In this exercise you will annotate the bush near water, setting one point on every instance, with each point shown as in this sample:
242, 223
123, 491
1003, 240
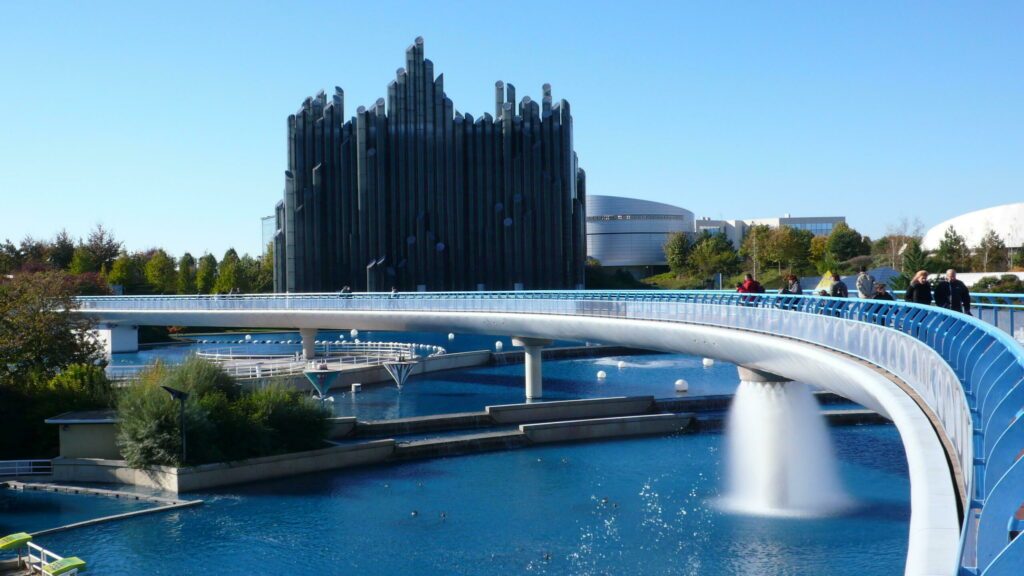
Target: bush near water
222, 422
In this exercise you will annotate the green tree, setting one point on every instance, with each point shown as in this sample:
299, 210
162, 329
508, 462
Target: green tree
82, 261
1005, 284
187, 274
102, 246
39, 334
62, 250
912, 259
677, 250
123, 273
206, 274
264, 280
10, 258
160, 273
229, 276
791, 247
991, 252
845, 243
759, 247
711, 254
953, 252
35, 254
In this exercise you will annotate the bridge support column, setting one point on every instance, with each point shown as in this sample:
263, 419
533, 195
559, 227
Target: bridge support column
532, 348
308, 342
755, 375
116, 339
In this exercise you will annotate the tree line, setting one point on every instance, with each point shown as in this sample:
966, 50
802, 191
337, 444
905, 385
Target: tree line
99, 261
785, 249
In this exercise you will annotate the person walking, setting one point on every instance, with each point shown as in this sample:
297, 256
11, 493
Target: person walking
919, 291
838, 288
865, 283
941, 292
958, 298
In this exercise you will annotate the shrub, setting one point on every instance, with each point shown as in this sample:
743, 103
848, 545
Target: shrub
222, 422
24, 408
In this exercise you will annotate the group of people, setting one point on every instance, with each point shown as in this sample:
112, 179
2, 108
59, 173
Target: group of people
948, 293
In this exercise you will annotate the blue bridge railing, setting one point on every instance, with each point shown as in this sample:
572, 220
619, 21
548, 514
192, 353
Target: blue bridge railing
986, 360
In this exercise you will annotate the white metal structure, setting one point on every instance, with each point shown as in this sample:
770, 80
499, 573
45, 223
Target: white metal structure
10, 468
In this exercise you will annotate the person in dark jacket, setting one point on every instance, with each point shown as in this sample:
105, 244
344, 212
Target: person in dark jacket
881, 293
919, 291
953, 294
838, 289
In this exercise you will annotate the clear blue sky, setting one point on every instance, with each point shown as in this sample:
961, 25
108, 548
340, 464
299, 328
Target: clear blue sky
166, 122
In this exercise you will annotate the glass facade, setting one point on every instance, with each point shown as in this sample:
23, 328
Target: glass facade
817, 228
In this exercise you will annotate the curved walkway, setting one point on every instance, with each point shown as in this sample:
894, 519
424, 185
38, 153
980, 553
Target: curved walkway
954, 384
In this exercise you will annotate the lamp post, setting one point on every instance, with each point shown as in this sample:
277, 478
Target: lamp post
180, 396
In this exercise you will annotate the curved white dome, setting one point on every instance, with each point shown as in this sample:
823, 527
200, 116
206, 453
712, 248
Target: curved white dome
1006, 220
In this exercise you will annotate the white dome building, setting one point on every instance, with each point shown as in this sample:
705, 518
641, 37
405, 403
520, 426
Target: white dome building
1007, 221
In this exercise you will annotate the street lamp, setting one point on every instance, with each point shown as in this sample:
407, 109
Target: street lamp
180, 396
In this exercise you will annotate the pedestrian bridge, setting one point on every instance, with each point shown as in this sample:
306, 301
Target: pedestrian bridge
952, 385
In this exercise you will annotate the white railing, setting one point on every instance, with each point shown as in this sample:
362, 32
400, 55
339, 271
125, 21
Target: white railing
245, 366
26, 468
38, 557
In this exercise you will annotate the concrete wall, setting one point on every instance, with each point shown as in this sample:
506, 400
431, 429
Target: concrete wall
570, 409
89, 441
619, 427
221, 474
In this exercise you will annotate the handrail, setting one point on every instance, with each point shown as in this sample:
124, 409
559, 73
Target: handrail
980, 412
26, 468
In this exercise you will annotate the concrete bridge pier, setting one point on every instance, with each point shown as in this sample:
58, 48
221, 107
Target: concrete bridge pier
755, 375
532, 348
117, 338
308, 342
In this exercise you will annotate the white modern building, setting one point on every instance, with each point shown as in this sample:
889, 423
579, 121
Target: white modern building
630, 233
1007, 221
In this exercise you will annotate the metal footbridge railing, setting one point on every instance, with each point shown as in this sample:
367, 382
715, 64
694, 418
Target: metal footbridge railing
980, 411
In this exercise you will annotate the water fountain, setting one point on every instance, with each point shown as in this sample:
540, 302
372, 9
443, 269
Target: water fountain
780, 456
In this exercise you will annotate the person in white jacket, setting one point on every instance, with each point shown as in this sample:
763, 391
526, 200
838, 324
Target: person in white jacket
865, 283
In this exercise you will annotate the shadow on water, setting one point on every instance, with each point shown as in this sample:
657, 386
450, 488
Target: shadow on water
344, 482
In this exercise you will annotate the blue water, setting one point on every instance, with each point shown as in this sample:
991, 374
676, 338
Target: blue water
33, 511
236, 342
472, 389
624, 507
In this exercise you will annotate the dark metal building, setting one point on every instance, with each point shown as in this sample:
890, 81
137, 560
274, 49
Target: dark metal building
417, 196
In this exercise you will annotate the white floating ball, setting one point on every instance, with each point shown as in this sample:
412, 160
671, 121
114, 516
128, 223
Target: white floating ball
601, 375
357, 387
354, 332
248, 336
621, 364
451, 336
682, 386
708, 362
